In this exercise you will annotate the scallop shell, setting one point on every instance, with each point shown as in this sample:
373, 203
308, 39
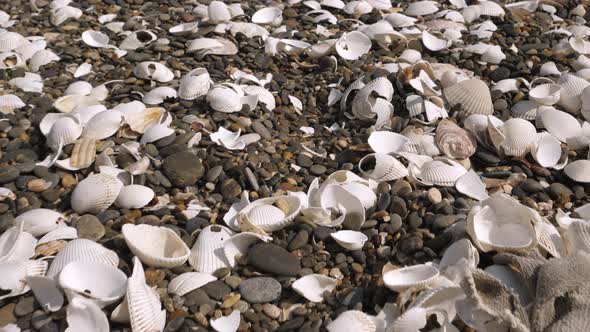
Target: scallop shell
103, 125
440, 172
95, 38
352, 321
39, 221
64, 131
155, 133
421, 8
416, 277
473, 95
520, 136
272, 213
14, 272
224, 99
239, 245
156, 246
81, 250
352, 45
229, 323
46, 291
60, 233
15, 244
268, 15
143, 303
9, 103
471, 185
332, 197
84, 315
560, 125
207, 254
194, 84
382, 167
387, 142
137, 39
578, 170
67, 104
134, 197
571, 91
462, 249
84, 153
351, 240
153, 71
189, 281
95, 193
313, 286
101, 283
454, 141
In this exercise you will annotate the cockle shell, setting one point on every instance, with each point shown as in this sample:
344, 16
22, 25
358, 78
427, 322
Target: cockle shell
440, 172
207, 254
95, 193
352, 45
143, 303
351, 240
103, 125
137, 39
525, 109
387, 142
156, 246
313, 286
382, 167
549, 238
578, 170
239, 245
268, 15
365, 101
95, 38
194, 84
84, 315
153, 71
84, 153
64, 131
352, 321
225, 99
9, 103
229, 323
571, 91
520, 136
189, 281
454, 141
38, 222
81, 250
272, 213
60, 233
333, 197
102, 283
13, 275
473, 94
31, 82
134, 196
560, 125
358, 8
10, 40
416, 276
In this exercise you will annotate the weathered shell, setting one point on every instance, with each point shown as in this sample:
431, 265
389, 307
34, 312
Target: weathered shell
520, 136
215, 46
10, 60
224, 99
194, 84
229, 323
207, 254
142, 120
440, 172
39, 221
143, 303
462, 249
382, 167
95, 38
156, 246
578, 170
470, 184
134, 196
351, 240
103, 125
352, 321
268, 15
102, 283
137, 39
156, 132
67, 104
352, 45
333, 197
272, 213
560, 125
64, 131
571, 91
84, 153
153, 71
473, 94
189, 281
313, 286
454, 141
547, 150
416, 276
95, 193
13, 275
84, 315
365, 101
525, 109
81, 250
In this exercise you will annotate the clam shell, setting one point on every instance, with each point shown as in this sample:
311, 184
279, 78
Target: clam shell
470, 184
434, 43
398, 20
352, 321
81, 250
560, 125
578, 170
332, 197
153, 71
95, 38
194, 84
84, 315
95, 193
473, 95
268, 15
549, 239
520, 136
189, 281
14, 275
547, 150
351, 240
493, 54
10, 102
39, 221
134, 197
454, 141
156, 246
571, 91
82, 70
67, 104
64, 131
15, 244
84, 153
207, 254
101, 283
545, 94
382, 167
224, 99
462, 249
416, 276
421, 8
313, 286
387, 142
60, 233
218, 12
137, 39
41, 58
156, 132
143, 303
159, 95
440, 172
272, 213
352, 45
227, 323
46, 291
103, 125
141, 121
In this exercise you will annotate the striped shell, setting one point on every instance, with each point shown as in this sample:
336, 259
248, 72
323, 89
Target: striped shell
578, 170
382, 167
207, 254
189, 281
194, 84
365, 99
13, 274
81, 250
440, 172
224, 99
95, 193
64, 131
473, 95
571, 91
454, 141
352, 320
272, 213
84, 153
520, 136
143, 303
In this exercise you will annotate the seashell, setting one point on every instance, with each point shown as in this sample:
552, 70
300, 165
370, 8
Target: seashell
95, 38
63, 13
239, 245
137, 39
207, 254
440, 172
184, 28
82, 70
81, 88
525, 109
413, 319
64, 131
333, 197
365, 194
268, 15
81, 250
545, 94
547, 150
11, 40
9, 60
501, 223
366, 99
415, 277
60, 233
134, 197
327, 218
434, 43
84, 315
224, 99
473, 95
226, 323
578, 170
29, 83
387, 142
218, 12
272, 213
398, 20
95, 193
351, 240
46, 291
580, 45
84, 153
42, 58
9, 103
194, 84
67, 104
571, 91
520, 136
493, 54
549, 239
155, 133
352, 321
143, 303
142, 120
470, 184
462, 249
560, 125
215, 46
101, 283
153, 71
421, 8
156, 246
352, 45
14, 275
189, 281
382, 167
39, 221
454, 141
313, 286
103, 125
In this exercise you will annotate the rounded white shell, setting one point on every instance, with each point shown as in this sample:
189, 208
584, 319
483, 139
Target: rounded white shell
155, 133
387, 142
103, 125
440, 172
207, 254
352, 45
473, 94
189, 281
416, 276
560, 125
382, 167
103, 283
95, 38
13, 274
134, 196
545, 94
11, 40
268, 15
571, 90
153, 71
462, 249
15, 244
84, 315
351, 240
520, 136
156, 246
578, 170
264, 214
547, 150
470, 184
64, 131
95, 193
229, 323
352, 321
224, 99
39, 221
159, 95
81, 250
313, 286
81, 88
194, 84
143, 303
67, 104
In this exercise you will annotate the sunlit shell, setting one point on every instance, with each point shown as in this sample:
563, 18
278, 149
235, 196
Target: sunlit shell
9, 103
351, 240
353, 45
434, 43
102, 283
207, 254
560, 125
194, 84
95, 38
218, 12
313, 286
29, 83
365, 100
421, 8
571, 91
273, 213
153, 71
462, 249
14, 275
578, 170
352, 321
15, 244
520, 136
189, 281
64, 131
416, 276
440, 172
84, 153
470, 184
229, 323
545, 94
473, 95
67, 104
103, 125
454, 141
84, 315
239, 244
366, 195
38, 222
387, 142
60, 233
42, 58
140, 121
381, 167
155, 133
216, 46
137, 39
156, 246
81, 88
143, 303
11, 40
333, 197
95, 193
134, 196
224, 99
268, 15
81, 250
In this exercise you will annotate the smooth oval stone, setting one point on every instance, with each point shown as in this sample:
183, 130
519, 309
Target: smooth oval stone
270, 258
260, 290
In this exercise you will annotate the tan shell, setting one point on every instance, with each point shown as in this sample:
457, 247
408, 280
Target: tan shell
454, 141
474, 95
84, 153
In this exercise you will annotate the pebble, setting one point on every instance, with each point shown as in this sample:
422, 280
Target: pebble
434, 196
196, 297
260, 290
500, 73
270, 258
90, 227
216, 289
6, 314
299, 240
40, 318
24, 306
560, 191
183, 169
230, 188
317, 169
531, 186
8, 174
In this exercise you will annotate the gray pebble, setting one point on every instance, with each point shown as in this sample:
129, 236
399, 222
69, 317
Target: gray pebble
260, 290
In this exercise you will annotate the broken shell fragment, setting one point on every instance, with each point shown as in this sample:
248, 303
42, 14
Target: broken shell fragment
156, 246
351, 240
454, 141
81, 250
153, 71
227, 323
39, 222
194, 84
95, 38
352, 321
189, 281
268, 15
313, 286
102, 283
353, 45
416, 276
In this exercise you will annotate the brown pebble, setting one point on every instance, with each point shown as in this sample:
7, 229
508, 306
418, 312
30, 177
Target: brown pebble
38, 185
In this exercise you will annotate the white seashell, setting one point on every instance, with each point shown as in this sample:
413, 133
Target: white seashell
381, 167
9, 60
84, 315
365, 194
416, 276
64, 13
272, 213
155, 133
387, 142
351, 240
67, 104
421, 8
182, 28
580, 45
194, 84
545, 94
156, 246
216, 46
153, 71
352, 45
134, 197
218, 12
352, 321
14, 275
46, 291
29, 83
462, 249
95, 193
137, 39
512, 280
440, 172
313, 286
473, 95
11, 40
16, 244
398, 20
140, 121
42, 58
63, 132
493, 54
81, 88
525, 109
101, 283
578, 170
520, 136
95, 38
358, 8
207, 254
547, 150
501, 223
549, 239
412, 319
227, 323
471, 185
571, 91
60, 233
224, 99
82, 70
366, 99
189, 281
434, 43
39, 221
143, 303
560, 125
103, 125
333, 197
268, 15
9, 103
81, 250
239, 244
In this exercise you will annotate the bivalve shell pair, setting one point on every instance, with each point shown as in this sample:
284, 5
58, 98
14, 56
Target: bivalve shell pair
473, 94
156, 246
95, 193
382, 167
416, 276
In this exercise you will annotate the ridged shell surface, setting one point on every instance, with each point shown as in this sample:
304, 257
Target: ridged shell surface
143, 302
16, 244
13, 275
194, 84
224, 100
578, 170
440, 172
63, 132
363, 102
156, 246
95, 193
38, 222
207, 253
352, 320
189, 281
82, 250
84, 153
289, 205
60, 233
520, 136
474, 95
416, 276
382, 167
